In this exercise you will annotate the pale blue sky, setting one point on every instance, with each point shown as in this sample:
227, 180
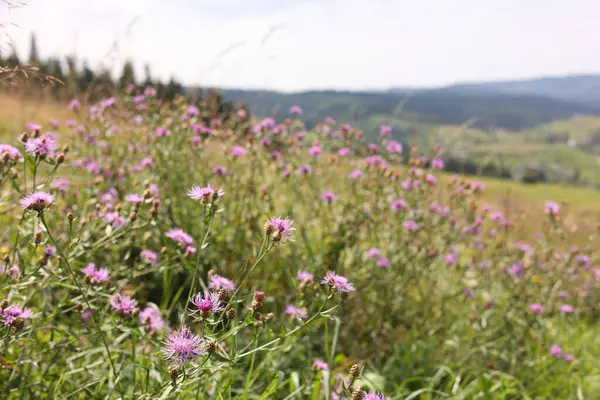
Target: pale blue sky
339, 44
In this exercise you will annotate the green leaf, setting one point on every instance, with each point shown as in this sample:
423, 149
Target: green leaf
273, 385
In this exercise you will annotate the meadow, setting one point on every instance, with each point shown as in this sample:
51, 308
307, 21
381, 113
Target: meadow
158, 250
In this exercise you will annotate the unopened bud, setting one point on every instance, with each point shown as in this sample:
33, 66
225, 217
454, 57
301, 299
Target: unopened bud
133, 216
358, 394
174, 372
231, 313
70, 216
19, 323
4, 304
24, 137
210, 347
222, 294
60, 158
147, 194
355, 370
163, 250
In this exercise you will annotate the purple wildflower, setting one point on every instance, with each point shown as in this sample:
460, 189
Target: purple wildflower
329, 197
355, 174
150, 316
344, 152
37, 201
566, 309
74, 104
551, 208
182, 345
337, 282
149, 256
556, 351
238, 151
304, 277
437, 163
399, 204
374, 253
375, 396
41, 146
394, 147
219, 170
320, 364
123, 304
383, 262
217, 282
61, 184
134, 198
410, 225
180, 237
451, 258
304, 169
10, 315
205, 194
281, 227
536, 308
295, 110
314, 151
207, 303
9, 152
385, 130
295, 312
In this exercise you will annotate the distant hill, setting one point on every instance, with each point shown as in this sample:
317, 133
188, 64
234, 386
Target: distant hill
488, 108
580, 88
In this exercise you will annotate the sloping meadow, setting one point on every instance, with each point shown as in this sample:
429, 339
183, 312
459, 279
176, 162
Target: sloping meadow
157, 250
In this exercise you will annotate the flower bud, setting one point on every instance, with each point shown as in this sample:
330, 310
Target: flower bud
210, 347
3, 304
231, 313
60, 158
223, 295
174, 372
19, 323
358, 394
355, 370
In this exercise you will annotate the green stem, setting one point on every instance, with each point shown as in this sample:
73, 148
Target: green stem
74, 278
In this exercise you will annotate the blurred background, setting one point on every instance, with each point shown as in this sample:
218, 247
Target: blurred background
511, 89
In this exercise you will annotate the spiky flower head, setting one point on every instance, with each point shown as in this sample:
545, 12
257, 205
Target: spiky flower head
206, 303
280, 229
122, 304
182, 345
37, 201
205, 194
338, 282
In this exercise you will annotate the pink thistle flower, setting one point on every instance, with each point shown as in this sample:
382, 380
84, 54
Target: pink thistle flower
74, 104
123, 304
162, 132
41, 146
569, 358
192, 111
329, 197
10, 315
86, 315
295, 110
338, 282
150, 91
282, 227
134, 198
241, 113
295, 312
314, 151
205, 194
216, 282
344, 152
320, 364
385, 130
355, 174
451, 258
394, 147
32, 126
430, 179
182, 345
399, 204
536, 308
61, 184
374, 253
552, 208
37, 201
304, 277
9, 152
219, 170
566, 309
410, 225
304, 169
149, 256
556, 351
238, 151
13, 271
329, 120
150, 317
207, 303
383, 262
437, 163
180, 237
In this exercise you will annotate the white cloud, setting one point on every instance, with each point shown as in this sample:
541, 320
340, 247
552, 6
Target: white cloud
343, 44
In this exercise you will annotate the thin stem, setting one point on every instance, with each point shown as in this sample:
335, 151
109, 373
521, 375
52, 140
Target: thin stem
74, 278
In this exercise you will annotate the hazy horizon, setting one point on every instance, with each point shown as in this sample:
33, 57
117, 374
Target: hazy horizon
318, 45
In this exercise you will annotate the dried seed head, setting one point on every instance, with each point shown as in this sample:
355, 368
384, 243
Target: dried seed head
223, 295
358, 394
70, 216
3, 304
355, 370
147, 194
174, 372
24, 137
19, 323
60, 158
210, 347
231, 313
